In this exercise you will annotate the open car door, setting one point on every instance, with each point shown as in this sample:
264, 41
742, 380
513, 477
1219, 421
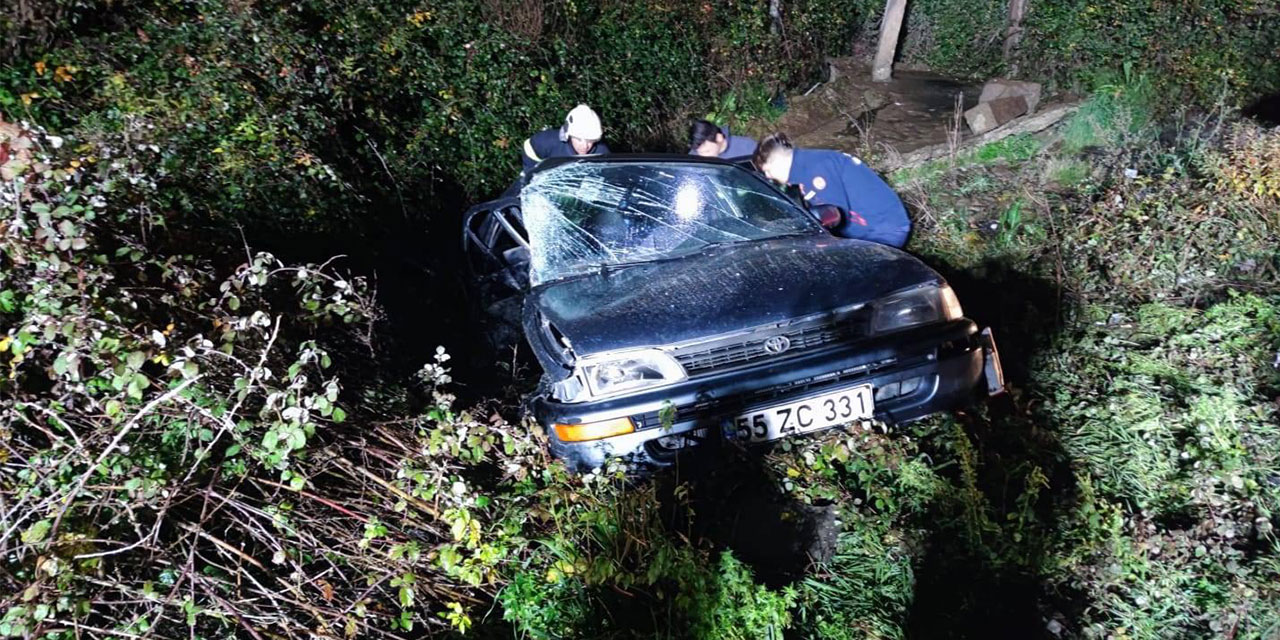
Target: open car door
496, 249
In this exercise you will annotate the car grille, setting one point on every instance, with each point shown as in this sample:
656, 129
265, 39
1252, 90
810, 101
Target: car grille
721, 355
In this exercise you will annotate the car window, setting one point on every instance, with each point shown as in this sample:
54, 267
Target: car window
583, 216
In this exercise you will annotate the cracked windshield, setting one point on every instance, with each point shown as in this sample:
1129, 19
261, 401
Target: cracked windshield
582, 217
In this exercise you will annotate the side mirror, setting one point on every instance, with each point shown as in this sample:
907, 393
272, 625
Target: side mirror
829, 215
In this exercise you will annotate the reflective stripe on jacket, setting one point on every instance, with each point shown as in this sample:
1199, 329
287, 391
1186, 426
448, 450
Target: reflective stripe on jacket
875, 211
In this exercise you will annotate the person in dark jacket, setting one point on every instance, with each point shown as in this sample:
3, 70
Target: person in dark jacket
580, 136
711, 141
874, 210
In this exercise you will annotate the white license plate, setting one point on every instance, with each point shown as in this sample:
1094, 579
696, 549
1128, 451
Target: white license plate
806, 416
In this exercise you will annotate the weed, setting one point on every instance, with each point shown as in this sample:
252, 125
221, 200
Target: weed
543, 609
1067, 173
977, 184
1117, 114
1010, 222
865, 589
1018, 148
748, 105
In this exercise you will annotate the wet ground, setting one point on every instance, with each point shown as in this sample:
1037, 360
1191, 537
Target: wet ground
851, 113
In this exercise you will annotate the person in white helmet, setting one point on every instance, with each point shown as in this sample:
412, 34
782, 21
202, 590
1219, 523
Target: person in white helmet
580, 136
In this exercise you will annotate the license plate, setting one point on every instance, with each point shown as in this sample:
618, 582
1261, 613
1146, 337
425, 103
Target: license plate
805, 416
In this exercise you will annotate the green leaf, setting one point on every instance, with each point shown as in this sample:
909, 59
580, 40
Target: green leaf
37, 531
339, 415
61, 364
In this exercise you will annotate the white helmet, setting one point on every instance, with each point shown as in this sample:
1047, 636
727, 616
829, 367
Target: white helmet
583, 123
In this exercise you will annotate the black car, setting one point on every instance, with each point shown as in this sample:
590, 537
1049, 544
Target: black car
674, 299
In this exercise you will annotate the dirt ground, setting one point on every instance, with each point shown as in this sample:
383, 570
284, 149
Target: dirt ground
851, 113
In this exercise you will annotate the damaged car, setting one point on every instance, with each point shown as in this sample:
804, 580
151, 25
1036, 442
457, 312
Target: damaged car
671, 301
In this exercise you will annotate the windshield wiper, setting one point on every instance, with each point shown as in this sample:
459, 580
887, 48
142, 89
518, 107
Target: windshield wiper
705, 248
606, 267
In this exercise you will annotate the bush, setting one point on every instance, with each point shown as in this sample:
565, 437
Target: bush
1149, 374
311, 114
1183, 436
963, 39
202, 444
1192, 52
1249, 166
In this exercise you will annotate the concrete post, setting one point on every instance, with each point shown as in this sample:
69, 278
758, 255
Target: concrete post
775, 17
882, 70
1013, 34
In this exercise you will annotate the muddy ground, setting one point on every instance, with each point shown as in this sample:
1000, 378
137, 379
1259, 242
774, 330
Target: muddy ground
851, 113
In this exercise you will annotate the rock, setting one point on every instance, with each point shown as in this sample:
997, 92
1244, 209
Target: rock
989, 115
1030, 124
1000, 88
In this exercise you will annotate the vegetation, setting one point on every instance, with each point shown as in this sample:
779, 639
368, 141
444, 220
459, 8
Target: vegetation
1193, 52
203, 439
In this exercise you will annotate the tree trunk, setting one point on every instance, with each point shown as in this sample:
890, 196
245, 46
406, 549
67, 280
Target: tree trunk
882, 70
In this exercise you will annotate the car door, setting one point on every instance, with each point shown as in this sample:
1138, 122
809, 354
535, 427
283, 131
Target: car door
496, 250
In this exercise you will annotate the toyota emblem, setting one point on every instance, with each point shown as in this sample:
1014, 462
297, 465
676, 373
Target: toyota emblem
776, 345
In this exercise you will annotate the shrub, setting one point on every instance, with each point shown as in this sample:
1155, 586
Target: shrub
1183, 435
1192, 52
1248, 166
312, 114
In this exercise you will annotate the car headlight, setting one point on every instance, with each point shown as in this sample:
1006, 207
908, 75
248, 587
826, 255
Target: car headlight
613, 374
916, 307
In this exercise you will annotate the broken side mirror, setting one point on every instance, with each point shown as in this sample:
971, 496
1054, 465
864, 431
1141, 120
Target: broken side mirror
829, 215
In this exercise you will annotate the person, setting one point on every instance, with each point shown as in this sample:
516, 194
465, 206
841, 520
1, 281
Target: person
710, 141
579, 136
873, 209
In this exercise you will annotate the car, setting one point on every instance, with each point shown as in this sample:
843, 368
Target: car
675, 300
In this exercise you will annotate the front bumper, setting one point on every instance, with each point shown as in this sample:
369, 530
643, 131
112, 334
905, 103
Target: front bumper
914, 373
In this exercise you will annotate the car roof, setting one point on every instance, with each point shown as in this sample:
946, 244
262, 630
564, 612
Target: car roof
633, 158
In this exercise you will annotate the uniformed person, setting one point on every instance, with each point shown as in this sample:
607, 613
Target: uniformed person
711, 141
580, 136
874, 210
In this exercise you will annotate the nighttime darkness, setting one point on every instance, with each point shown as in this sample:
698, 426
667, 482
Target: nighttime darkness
630, 319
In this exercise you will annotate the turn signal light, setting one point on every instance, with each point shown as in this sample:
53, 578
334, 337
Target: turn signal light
594, 430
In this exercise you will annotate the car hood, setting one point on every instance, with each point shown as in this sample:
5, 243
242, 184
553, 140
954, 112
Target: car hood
724, 289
